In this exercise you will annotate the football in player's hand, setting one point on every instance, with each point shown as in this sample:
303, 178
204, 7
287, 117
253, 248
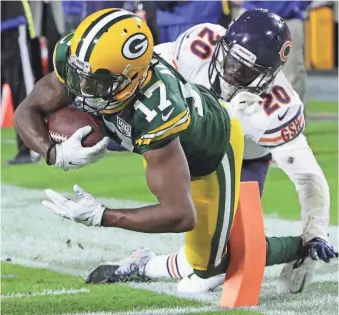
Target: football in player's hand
65, 122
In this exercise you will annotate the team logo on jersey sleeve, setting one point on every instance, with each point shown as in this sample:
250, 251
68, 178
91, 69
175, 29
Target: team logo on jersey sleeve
285, 50
135, 46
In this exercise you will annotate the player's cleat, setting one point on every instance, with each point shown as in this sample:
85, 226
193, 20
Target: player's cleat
195, 284
295, 280
104, 273
130, 269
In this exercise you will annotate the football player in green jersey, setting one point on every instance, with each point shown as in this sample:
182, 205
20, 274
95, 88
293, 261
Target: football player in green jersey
192, 146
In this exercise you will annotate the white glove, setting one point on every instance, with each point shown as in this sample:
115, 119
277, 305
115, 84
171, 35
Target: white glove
248, 108
247, 103
71, 153
87, 210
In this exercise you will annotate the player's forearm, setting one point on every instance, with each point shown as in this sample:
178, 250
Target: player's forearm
149, 219
31, 126
47, 96
299, 163
314, 198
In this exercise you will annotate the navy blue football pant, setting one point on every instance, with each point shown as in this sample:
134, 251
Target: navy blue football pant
256, 170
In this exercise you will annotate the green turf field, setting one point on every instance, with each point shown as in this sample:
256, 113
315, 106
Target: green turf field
46, 292
321, 107
31, 236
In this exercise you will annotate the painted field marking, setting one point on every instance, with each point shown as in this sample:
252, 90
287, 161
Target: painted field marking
8, 276
45, 292
158, 311
37, 264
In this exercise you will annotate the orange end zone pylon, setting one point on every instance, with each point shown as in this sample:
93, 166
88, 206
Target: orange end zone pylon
245, 273
7, 110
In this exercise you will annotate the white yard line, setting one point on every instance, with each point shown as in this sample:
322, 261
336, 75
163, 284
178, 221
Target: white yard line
174, 311
46, 292
8, 141
71, 248
8, 276
37, 264
158, 311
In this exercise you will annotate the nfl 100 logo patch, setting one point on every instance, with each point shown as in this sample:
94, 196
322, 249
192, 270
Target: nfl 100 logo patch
124, 127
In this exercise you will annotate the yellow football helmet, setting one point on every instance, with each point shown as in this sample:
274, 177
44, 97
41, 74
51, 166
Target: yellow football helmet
110, 53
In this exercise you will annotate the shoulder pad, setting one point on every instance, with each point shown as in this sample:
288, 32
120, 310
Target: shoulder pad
198, 42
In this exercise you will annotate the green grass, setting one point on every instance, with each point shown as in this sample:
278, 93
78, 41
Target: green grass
315, 106
122, 176
100, 298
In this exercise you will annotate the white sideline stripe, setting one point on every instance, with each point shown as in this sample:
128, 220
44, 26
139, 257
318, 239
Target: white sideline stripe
158, 311
8, 141
8, 276
36, 264
45, 293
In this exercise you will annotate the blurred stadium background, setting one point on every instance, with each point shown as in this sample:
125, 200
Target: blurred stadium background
29, 31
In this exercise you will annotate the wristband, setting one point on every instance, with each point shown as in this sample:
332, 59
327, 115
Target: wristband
49, 152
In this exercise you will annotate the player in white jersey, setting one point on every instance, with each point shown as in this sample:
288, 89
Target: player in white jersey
191, 55
249, 57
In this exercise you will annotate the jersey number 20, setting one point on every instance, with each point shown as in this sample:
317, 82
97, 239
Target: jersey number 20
272, 101
202, 48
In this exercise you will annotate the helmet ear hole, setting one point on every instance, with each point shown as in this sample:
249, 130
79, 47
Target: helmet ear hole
102, 72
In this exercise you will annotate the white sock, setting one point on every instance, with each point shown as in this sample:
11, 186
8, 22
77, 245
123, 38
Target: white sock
173, 266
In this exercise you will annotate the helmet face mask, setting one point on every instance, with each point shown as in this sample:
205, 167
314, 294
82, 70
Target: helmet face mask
235, 69
238, 72
96, 89
250, 54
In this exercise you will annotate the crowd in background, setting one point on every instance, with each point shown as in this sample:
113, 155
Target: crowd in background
24, 23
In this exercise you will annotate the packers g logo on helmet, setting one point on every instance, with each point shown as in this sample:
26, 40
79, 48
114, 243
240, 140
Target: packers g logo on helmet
135, 46
109, 57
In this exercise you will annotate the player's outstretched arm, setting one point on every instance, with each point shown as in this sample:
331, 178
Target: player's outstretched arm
296, 159
47, 96
168, 178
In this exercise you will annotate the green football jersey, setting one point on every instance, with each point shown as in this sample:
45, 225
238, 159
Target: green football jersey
165, 108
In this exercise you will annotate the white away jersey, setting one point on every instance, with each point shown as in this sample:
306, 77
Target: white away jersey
281, 116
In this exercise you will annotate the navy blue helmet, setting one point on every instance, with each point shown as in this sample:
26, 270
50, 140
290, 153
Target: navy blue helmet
250, 54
